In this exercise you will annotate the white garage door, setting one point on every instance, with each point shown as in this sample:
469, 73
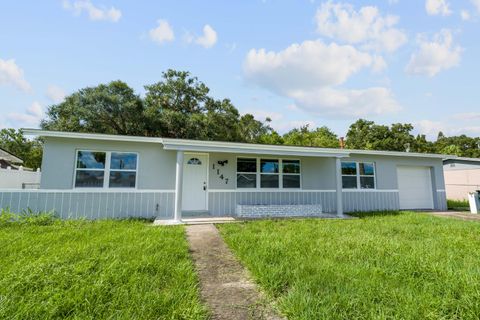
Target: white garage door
415, 187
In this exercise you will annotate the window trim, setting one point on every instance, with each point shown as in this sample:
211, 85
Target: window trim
258, 173
358, 175
107, 170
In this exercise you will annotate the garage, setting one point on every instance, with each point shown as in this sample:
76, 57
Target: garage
415, 187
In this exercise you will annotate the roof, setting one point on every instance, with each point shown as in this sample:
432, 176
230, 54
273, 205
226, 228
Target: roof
7, 156
464, 160
231, 147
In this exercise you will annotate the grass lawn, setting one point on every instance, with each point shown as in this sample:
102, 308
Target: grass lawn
458, 205
96, 270
404, 266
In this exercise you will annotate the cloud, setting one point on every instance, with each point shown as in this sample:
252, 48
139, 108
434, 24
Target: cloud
94, 13
465, 15
31, 117
11, 73
366, 27
55, 94
476, 4
434, 55
467, 116
162, 33
308, 65
308, 73
343, 103
432, 128
437, 7
209, 37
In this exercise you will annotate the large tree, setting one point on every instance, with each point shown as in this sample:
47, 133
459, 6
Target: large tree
112, 108
30, 151
319, 137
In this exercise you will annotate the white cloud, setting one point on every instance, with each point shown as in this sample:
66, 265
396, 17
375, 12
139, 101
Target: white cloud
308, 65
366, 26
432, 128
11, 73
209, 37
467, 116
342, 103
438, 7
308, 73
55, 94
476, 3
31, 117
94, 13
465, 15
162, 33
435, 55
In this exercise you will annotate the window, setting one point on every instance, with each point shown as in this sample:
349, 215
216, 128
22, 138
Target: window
291, 173
358, 175
246, 173
271, 173
194, 161
96, 169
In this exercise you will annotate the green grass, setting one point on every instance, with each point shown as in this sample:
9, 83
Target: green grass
96, 270
457, 204
403, 266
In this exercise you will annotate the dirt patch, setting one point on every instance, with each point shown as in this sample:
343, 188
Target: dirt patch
457, 214
225, 284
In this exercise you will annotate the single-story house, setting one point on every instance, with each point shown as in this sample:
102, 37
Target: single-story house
8, 160
462, 175
99, 175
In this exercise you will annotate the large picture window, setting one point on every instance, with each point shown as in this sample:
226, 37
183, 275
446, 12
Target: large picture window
98, 169
358, 175
268, 173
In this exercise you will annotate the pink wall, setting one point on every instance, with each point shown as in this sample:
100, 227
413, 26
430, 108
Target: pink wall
458, 183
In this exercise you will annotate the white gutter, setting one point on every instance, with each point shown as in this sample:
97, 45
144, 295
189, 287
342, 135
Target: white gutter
90, 136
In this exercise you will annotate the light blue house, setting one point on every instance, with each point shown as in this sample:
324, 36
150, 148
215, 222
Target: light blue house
104, 176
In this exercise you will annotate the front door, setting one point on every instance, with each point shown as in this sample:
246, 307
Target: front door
195, 182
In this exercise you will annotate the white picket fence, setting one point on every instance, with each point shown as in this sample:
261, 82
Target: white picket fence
19, 179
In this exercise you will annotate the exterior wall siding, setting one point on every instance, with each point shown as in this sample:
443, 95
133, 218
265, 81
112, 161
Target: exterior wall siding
441, 200
224, 203
92, 205
279, 210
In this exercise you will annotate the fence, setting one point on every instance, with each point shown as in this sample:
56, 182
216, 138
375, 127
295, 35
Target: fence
19, 179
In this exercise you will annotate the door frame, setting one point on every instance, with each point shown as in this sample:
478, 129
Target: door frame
207, 155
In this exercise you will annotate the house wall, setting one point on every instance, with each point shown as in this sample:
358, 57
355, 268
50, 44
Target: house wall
459, 182
156, 167
19, 179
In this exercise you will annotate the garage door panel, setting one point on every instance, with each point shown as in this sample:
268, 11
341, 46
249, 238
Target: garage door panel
415, 187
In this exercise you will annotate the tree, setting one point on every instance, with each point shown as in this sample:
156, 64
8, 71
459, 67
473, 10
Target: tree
30, 151
367, 135
458, 145
303, 136
112, 108
178, 106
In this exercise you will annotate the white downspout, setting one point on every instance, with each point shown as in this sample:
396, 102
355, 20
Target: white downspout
338, 180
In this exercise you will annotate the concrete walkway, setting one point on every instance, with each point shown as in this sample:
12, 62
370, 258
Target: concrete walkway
464, 215
225, 285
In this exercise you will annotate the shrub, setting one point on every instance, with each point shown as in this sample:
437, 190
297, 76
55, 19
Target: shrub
27, 217
455, 204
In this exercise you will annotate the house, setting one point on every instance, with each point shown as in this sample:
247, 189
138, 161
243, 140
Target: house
8, 160
462, 175
99, 176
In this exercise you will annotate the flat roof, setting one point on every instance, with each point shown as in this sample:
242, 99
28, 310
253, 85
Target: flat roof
232, 147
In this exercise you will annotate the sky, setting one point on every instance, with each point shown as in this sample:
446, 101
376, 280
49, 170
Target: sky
295, 61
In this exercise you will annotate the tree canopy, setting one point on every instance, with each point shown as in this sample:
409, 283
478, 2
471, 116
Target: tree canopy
180, 106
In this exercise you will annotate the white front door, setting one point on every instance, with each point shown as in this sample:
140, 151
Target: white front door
195, 182
415, 187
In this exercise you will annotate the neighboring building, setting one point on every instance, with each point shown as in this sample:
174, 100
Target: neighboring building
8, 160
462, 175
97, 176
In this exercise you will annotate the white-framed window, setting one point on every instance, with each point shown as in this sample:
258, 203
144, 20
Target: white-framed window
358, 175
105, 169
268, 173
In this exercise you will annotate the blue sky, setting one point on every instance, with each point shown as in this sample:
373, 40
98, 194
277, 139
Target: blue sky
317, 62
